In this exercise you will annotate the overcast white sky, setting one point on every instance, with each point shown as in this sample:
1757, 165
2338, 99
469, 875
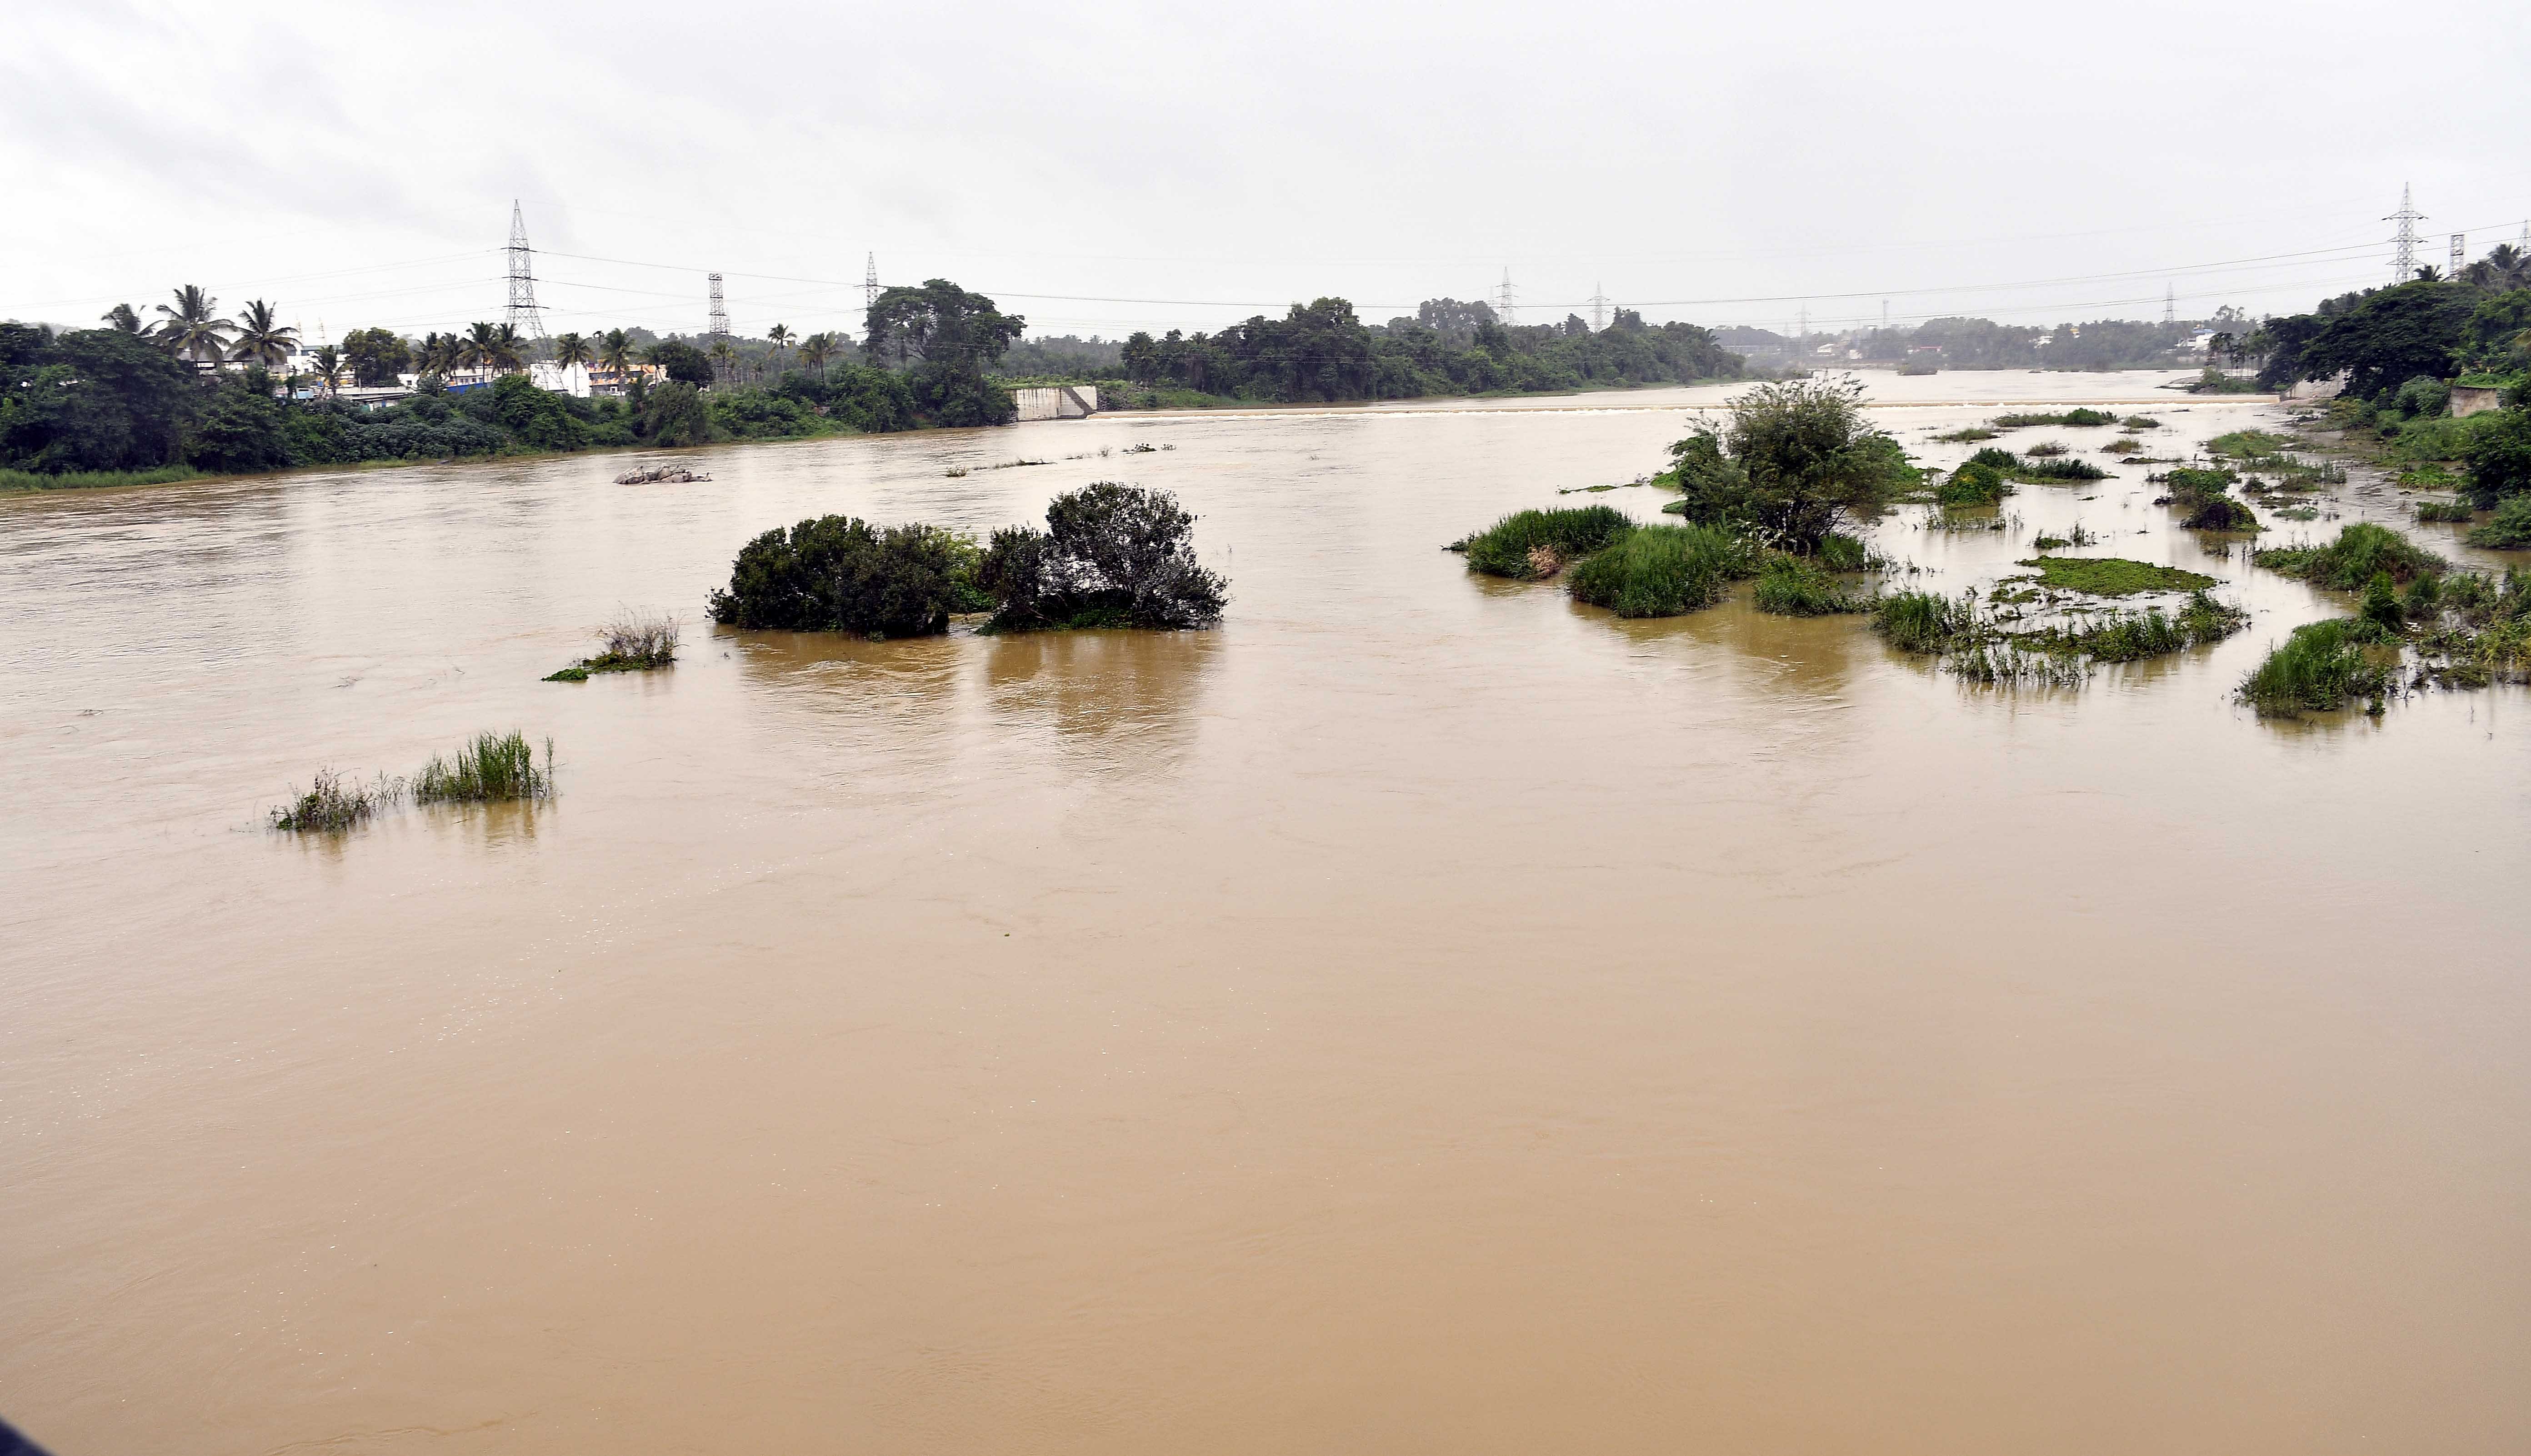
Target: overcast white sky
1102, 167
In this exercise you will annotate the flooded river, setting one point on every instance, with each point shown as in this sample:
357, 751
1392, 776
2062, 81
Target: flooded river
1420, 1015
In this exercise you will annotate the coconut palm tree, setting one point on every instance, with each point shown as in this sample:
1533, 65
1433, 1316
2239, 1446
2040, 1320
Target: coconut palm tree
329, 367
615, 351
261, 337
511, 352
722, 357
121, 317
815, 350
2510, 266
571, 349
781, 337
191, 328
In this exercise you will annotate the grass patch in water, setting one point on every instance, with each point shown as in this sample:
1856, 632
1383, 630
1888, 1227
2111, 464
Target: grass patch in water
2123, 445
2077, 418
334, 804
1979, 482
1793, 587
1838, 551
2317, 669
494, 766
2140, 421
1922, 621
2112, 576
2447, 512
1968, 436
2044, 472
1661, 571
1530, 545
2349, 562
2129, 637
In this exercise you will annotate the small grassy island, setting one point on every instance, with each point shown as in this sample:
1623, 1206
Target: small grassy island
493, 766
632, 643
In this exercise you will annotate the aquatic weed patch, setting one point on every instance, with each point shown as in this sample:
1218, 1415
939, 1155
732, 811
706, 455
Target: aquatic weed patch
635, 642
2112, 576
493, 768
334, 804
1663, 571
1529, 545
1794, 586
2317, 669
2350, 561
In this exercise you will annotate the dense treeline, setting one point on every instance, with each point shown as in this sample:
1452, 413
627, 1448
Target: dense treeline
1320, 352
2403, 352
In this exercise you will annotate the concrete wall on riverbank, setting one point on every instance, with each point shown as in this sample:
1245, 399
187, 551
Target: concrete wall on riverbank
1057, 401
2469, 399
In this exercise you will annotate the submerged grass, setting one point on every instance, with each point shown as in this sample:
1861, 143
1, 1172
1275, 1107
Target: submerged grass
2315, 670
1661, 571
1529, 545
494, 766
333, 803
166, 474
1922, 621
2112, 576
2065, 468
2509, 529
2445, 512
2077, 418
2129, 637
1968, 436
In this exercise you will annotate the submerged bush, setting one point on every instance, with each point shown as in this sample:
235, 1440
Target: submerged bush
840, 574
2509, 531
635, 642
1532, 544
2067, 469
1838, 551
1661, 571
2047, 448
1794, 462
333, 803
2223, 513
2129, 637
2318, 668
2445, 512
1793, 587
1111, 555
494, 766
2349, 562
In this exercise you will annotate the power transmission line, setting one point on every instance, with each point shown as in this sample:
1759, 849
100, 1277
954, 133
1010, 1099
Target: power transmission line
2403, 244
719, 328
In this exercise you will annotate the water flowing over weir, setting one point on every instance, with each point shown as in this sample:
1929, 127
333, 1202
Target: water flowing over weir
1421, 1012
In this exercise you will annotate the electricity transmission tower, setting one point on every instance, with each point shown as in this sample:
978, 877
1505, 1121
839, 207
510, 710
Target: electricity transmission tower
522, 317
719, 314
2403, 244
2170, 302
2459, 252
1599, 308
1503, 302
870, 282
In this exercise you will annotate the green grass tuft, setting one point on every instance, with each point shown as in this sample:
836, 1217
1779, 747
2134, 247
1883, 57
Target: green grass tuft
165, 475
494, 766
1529, 545
1922, 621
334, 804
1661, 571
2509, 529
1793, 587
2317, 669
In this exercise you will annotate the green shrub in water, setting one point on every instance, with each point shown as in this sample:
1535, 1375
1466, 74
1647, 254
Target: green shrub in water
1922, 621
841, 574
1661, 571
2317, 669
1975, 483
1792, 587
1838, 551
493, 766
2350, 562
2509, 531
2381, 609
1529, 544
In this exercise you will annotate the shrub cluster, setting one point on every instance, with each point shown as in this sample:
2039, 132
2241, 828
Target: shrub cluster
2508, 531
1531, 544
842, 573
1663, 571
1111, 555
1798, 587
2350, 561
2318, 668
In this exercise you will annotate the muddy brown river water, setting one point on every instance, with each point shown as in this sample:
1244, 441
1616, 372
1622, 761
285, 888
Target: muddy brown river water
1422, 1015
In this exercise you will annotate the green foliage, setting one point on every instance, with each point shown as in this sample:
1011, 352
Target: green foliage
1838, 551
2222, 513
91, 400
2140, 421
1975, 483
841, 574
2422, 396
1797, 459
1922, 621
683, 362
2060, 470
2316, 669
674, 414
2111, 576
1529, 544
2509, 531
2350, 561
2246, 444
493, 768
2131, 637
2390, 337
2003, 460
1968, 436
239, 429
1111, 555
95, 480
2445, 512
1798, 587
2075, 419
1661, 571
2381, 606
2499, 455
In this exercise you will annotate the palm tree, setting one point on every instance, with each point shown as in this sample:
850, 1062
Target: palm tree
2509, 263
329, 367
722, 357
121, 317
192, 329
781, 336
510, 352
261, 337
490, 347
569, 349
815, 350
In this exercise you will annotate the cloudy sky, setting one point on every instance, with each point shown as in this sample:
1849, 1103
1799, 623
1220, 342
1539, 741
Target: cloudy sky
1107, 167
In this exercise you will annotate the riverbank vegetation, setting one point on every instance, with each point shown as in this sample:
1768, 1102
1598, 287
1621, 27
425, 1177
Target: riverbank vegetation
491, 767
333, 803
2350, 562
2317, 669
1663, 571
1110, 556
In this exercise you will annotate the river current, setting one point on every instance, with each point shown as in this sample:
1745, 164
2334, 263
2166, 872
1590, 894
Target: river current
1421, 1014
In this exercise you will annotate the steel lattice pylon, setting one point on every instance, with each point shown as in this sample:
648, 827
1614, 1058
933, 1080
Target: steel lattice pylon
523, 318
2403, 242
